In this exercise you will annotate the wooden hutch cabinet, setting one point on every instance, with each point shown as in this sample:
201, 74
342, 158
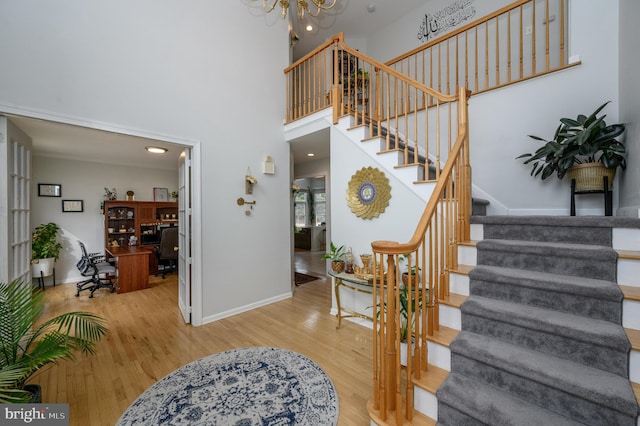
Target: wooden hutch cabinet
141, 219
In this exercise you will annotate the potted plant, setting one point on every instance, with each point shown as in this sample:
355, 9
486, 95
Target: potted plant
413, 271
45, 248
336, 255
578, 145
26, 347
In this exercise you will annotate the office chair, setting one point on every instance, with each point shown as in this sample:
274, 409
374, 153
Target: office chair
93, 266
167, 252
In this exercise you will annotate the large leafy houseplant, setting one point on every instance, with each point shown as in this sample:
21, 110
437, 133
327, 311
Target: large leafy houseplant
585, 139
44, 242
26, 346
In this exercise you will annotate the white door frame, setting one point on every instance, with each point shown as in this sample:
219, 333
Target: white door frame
196, 187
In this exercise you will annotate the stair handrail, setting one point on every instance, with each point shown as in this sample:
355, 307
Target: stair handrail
433, 245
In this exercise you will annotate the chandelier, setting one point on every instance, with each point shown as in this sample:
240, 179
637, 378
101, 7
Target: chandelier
302, 6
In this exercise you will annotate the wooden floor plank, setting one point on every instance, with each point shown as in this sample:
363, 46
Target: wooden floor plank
148, 339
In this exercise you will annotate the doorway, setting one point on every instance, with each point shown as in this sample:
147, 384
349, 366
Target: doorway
116, 141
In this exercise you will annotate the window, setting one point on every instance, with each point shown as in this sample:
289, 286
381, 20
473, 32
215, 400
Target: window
319, 207
300, 209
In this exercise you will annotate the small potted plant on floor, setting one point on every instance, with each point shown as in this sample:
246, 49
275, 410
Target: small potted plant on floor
26, 347
336, 255
45, 249
581, 147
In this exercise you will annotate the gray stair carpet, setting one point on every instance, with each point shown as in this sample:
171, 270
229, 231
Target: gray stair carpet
541, 341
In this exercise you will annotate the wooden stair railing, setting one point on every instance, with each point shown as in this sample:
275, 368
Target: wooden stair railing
378, 97
520, 41
433, 253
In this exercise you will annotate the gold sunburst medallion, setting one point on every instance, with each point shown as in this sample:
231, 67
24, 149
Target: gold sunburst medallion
368, 193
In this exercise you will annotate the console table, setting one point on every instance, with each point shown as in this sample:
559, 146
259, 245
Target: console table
358, 285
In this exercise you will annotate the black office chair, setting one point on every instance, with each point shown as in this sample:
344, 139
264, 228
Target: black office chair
167, 252
97, 269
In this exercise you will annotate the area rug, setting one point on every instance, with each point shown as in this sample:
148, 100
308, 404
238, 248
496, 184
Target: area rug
301, 278
243, 387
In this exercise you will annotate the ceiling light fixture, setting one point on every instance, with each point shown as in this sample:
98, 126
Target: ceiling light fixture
311, 154
302, 7
156, 149
309, 27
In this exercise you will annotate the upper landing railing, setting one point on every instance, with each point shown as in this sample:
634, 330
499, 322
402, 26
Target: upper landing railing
523, 40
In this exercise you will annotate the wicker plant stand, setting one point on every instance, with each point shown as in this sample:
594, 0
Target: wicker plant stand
592, 178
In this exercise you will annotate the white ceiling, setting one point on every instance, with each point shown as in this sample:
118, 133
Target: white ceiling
84, 144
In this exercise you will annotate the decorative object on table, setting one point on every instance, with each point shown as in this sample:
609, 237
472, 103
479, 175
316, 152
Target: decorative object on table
174, 195
131, 196
72, 206
254, 385
27, 347
336, 255
368, 193
348, 261
49, 190
249, 182
45, 249
269, 167
366, 261
576, 143
160, 194
110, 194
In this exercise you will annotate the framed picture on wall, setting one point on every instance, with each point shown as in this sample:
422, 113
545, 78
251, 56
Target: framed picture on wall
160, 194
72, 206
49, 190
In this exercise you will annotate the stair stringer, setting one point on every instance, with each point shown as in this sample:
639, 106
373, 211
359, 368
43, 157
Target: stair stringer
359, 136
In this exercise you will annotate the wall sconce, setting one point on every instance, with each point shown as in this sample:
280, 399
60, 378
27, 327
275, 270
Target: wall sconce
269, 167
249, 181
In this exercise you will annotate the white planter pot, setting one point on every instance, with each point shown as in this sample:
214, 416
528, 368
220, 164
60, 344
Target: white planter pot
44, 265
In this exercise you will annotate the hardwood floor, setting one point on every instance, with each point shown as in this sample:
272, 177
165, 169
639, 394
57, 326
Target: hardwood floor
147, 340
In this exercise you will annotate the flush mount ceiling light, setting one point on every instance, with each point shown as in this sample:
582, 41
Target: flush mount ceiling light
309, 27
302, 6
156, 149
311, 154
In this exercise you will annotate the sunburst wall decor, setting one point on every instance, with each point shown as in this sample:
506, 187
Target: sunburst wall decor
368, 193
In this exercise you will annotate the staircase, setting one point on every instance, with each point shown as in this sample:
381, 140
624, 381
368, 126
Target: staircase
543, 336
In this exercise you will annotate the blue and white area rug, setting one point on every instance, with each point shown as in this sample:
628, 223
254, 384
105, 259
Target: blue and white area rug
243, 387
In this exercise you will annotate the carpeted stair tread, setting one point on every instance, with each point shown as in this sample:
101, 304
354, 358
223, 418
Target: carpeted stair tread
490, 406
565, 221
588, 287
593, 331
591, 384
563, 258
588, 297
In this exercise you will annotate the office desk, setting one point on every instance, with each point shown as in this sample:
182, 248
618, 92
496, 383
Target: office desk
133, 267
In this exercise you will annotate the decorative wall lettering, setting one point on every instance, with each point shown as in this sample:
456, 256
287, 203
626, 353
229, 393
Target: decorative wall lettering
437, 23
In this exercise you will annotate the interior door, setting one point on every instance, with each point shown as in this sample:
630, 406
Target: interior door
15, 192
184, 234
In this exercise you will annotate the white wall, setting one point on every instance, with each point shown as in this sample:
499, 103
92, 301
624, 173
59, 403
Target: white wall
630, 104
86, 181
500, 120
184, 69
